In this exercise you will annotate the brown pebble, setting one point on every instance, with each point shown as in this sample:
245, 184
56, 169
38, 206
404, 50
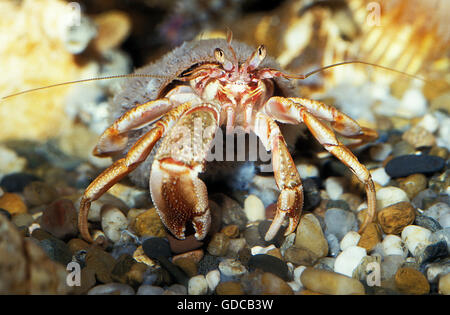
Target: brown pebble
135, 276
413, 184
370, 237
149, 224
195, 255
275, 253
39, 193
419, 137
411, 281
232, 231
300, 256
182, 246
218, 245
229, 288
77, 244
13, 203
188, 265
395, 217
271, 284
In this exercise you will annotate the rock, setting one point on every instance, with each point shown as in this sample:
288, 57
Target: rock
176, 289
232, 212
419, 137
10, 162
334, 187
444, 220
437, 210
395, 217
307, 170
156, 247
181, 246
309, 235
311, 193
256, 250
39, 193
370, 237
189, 266
136, 275
429, 123
140, 257
390, 195
263, 227
232, 231
436, 270
16, 182
402, 148
147, 289
300, 256
327, 282
340, 204
252, 235
297, 275
273, 285
413, 184
13, 203
195, 255
425, 199
444, 284
113, 222
87, 282
149, 223
443, 234
380, 176
347, 261
333, 245
132, 196
60, 219
269, 263
229, 288
390, 265
213, 279
432, 252
339, 222
254, 208
111, 289
406, 165
350, 239
23, 220
428, 223
393, 245
56, 250
101, 262
235, 246
207, 264
415, 238
231, 268
380, 151
197, 285
410, 281
218, 245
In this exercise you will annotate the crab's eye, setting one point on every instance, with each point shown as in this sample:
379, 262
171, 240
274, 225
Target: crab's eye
219, 54
261, 52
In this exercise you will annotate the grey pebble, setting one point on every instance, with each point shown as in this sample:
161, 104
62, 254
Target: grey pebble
111, 288
428, 223
146, 289
333, 244
339, 222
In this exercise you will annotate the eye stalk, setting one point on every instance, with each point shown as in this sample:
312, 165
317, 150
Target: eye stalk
255, 59
220, 57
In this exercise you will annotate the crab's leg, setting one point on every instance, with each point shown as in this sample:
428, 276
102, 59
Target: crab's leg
290, 201
177, 192
287, 110
137, 154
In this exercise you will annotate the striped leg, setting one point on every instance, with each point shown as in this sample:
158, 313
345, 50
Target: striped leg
137, 154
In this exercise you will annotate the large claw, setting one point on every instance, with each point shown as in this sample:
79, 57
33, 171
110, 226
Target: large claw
180, 196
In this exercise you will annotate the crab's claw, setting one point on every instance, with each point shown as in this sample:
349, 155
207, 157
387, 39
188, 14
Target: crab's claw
180, 197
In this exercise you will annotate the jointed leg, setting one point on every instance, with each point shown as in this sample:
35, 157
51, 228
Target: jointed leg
290, 201
137, 154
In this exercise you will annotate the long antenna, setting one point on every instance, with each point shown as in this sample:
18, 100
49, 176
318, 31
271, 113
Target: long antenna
132, 75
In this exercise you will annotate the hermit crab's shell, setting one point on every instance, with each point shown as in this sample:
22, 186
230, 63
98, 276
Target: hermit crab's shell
140, 90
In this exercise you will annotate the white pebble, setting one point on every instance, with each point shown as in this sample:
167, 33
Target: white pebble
256, 250
413, 104
213, 279
380, 151
254, 208
393, 245
113, 223
197, 285
380, 176
307, 170
334, 187
10, 162
415, 238
232, 267
297, 274
347, 261
294, 286
429, 123
390, 195
444, 220
349, 239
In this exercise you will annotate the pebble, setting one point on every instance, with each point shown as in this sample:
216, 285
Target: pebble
350, 239
132, 196
273, 285
16, 182
232, 230
123, 265
111, 289
39, 193
395, 217
147, 289
411, 281
380, 151
402, 148
269, 263
57, 250
444, 220
10, 162
415, 237
370, 237
254, 208
419, 137
390, 195
428, 223
149, 223
310, 235
380, 176
393, 245
429, 123
213, 279
413, 184
197, 285
232, 212
297, 275
113, 222
218, 245
22, 220
229, 288
333, 244
253, 237
235, 246
334, 186
195, 255
5, 213
327, 282
437, 210
307, 170
60, 219
347, 261
101, 262
181, 246
432, 252
406, 165
189, 266
311, 193
232, 268
261, 250
339, 222
390, 265
13, 203
156, 247
443, 234
444, 284
300, 256
140, 257
437, 270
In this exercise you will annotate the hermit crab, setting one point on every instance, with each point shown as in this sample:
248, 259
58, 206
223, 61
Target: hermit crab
190, 93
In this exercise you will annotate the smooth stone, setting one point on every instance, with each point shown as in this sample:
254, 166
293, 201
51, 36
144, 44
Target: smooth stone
347, 261
311, 193
39, 193
325, 263
437, 210
390, 195
300, 256
370, 237
181, 246
254, 208
261, 250
188, 265
444, 284
264, 226
334, 186
208, 263
22, 220
339, 222
395, 217
428, 223
132, 196
57, 250
111, 289
444, 220
149, 223
415, 237
340, 204
333, 245
411, 281
393, 245
232, 230
10, 161
402, 148
380, 151
350, 239
140, 257
113, 223
443, 234
327, 282
176, 289
195, 255
213, 279
307, 170
269, 263
406, 165
13, 203
273, 285
218, 245
413, 184
229, 288
380, 176
310, 235
429, 123
147, 289
438, 269
197, 285
16, 182
123, 265
419, 137
60, 219
235, 246
422, 199
253, 236
390, 265
432, 252
156, 247
289, 241
232, 268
